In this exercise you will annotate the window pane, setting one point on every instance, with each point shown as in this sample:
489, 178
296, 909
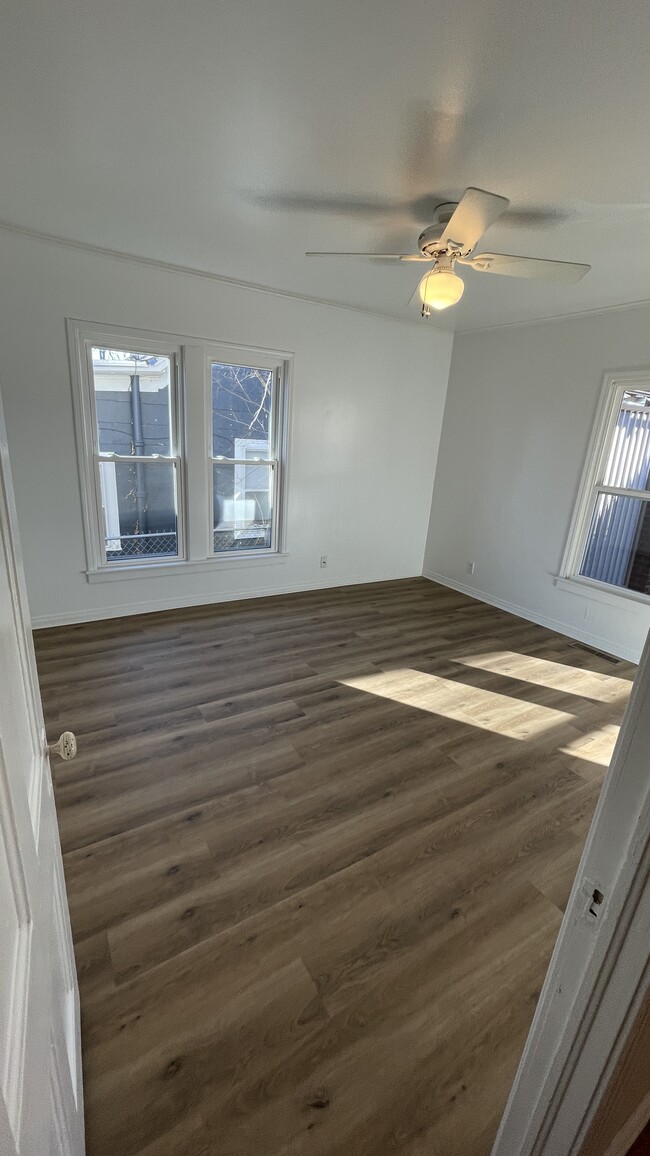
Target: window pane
628, 462
243, 501
139, 507
618, 545
241, 411
133, 402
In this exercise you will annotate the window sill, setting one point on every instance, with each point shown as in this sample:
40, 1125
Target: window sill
184, 566
601, 592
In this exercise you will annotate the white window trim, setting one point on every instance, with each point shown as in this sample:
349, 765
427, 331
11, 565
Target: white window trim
111, 509
239, 559
191, 386
569, 577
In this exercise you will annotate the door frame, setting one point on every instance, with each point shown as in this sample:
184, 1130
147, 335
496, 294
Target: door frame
599, 973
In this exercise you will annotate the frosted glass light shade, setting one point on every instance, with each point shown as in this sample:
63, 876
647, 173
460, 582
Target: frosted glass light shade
441, 288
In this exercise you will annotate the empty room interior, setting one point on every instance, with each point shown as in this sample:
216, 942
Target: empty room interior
325, 336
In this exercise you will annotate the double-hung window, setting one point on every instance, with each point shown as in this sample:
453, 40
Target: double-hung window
610, 539
246, 410
181, 449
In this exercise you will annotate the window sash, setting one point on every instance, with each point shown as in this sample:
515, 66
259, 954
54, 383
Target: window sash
616, 550
175, 423
277, 432
273, 546
276, 388
615, 386
176, 463
620, 491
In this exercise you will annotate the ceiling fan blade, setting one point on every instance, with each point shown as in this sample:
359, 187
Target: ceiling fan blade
475, 212
535, 267
376, 256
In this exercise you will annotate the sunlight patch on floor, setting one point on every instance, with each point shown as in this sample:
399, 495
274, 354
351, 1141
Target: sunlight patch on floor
554, 675
597, 745
471, 705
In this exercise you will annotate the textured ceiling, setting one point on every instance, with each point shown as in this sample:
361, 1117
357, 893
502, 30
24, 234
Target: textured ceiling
232, 136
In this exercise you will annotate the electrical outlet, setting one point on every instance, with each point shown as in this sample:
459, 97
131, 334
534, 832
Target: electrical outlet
471, 567
323, 561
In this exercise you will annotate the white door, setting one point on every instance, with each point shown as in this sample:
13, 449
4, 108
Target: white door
40, 1067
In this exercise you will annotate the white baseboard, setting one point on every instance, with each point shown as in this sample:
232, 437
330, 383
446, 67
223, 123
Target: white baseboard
151, 606
566, 628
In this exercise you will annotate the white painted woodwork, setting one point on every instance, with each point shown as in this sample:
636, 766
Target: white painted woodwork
40, 1068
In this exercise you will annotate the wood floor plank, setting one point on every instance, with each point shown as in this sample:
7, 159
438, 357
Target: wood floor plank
92, 811
317, 849
380, 1063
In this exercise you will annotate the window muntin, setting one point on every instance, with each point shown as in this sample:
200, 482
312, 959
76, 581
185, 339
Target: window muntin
245, 456
136, 454
614, 545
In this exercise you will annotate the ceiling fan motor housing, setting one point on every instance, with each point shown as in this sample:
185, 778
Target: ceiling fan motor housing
430, 240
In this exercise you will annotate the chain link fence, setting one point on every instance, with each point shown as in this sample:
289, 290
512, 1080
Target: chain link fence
142, 545
166, 544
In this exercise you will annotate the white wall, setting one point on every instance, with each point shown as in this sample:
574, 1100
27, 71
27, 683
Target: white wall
520, 409
368, 399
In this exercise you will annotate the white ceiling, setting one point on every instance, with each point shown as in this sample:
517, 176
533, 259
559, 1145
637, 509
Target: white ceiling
220, 134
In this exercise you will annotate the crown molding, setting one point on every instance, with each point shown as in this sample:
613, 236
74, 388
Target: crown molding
595, 312
206, 274
190, 271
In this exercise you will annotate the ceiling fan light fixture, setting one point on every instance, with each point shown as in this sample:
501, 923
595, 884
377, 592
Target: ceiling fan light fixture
441, 288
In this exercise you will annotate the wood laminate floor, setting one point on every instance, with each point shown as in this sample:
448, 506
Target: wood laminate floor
317, 850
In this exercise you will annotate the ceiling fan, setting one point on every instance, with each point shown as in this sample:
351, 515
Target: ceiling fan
451, 240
